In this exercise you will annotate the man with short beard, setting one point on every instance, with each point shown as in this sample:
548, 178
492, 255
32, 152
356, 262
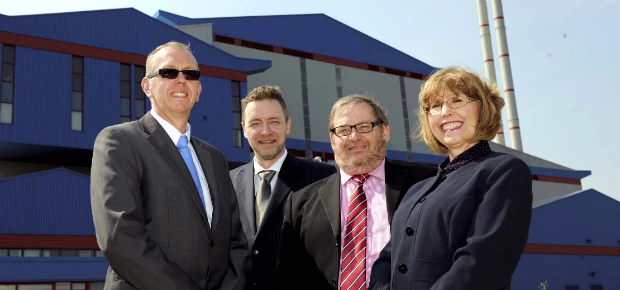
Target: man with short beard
263, 185
335, 229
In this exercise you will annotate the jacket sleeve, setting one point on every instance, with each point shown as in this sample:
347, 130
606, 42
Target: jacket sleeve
116, 201
239, 253
290, 260
498, 231
381, 269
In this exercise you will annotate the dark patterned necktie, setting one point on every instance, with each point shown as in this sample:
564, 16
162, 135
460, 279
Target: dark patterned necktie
263, 194
353, 261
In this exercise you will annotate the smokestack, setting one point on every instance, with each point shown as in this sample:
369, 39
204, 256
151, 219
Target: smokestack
487, 54
504, 62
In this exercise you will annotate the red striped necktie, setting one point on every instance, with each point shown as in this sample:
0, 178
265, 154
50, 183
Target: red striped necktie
353, 261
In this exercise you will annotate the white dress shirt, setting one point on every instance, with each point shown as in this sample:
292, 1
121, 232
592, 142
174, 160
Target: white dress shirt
175, 134
275, 167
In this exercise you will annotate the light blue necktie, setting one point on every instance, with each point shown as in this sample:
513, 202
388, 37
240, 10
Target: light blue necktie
189, 161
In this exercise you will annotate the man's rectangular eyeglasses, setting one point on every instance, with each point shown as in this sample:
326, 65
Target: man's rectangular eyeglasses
453, 103
170, 73
346, 130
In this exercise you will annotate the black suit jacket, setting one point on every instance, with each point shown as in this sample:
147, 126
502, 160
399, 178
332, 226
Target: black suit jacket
468, 233
264, 242
310, 248
149, 218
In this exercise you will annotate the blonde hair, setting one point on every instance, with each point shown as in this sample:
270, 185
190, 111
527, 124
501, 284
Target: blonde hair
264, 93
171, 44
460, 81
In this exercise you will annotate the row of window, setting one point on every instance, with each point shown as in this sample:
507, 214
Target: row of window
53, 286
576, 287
77, 93
49, 253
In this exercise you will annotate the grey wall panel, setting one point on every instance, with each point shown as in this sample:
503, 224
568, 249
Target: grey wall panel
285, 73
545, 190
322, 96
386, 88
412, 87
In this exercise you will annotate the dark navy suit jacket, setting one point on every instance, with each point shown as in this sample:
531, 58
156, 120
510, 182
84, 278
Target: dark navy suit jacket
465, 232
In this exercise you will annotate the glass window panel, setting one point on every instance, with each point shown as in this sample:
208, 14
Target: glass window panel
98, 253
6, 113
15, 253
7, 92
76, 121
96, 285
51, 253
138, 73
236, 89
36, 287
237, 139
125, 72
4, 252
85, 253
78, 65
8, 53
32, 253
63, 286
79, 286
236, 120
139, 92
68, 253
8, 72
8, 287
596, 287
77, 82
76, 101
125, 89
125, 107
140, 108
236, 106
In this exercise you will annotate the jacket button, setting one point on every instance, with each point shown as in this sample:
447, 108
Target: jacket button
208, 278
334, 282
423, 199
212, 243
255, 252
402, 268
409, 231
255, 285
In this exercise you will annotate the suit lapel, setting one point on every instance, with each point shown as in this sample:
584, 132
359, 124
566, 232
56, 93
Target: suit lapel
206, 162
394, 181
330, 197
158, 137
283, 185
245, 183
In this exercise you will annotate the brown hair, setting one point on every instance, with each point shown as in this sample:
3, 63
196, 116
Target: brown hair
460, 81
264, 93
171, 44
351, 100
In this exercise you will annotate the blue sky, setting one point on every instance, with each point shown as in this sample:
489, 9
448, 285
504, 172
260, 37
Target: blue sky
564, 56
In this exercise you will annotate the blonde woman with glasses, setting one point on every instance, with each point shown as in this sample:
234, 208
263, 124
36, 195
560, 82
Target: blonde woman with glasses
466, 227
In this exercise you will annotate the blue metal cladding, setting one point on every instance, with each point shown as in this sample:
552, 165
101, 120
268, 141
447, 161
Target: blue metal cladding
52, 269
126, 30
562, 270
316, 33
571, 220
211, 118
54, 202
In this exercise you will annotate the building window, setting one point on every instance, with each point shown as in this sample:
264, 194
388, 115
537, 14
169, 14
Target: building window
572, 287
125, 93
139, 73
8, 84
596, 287
77, 94
236, 108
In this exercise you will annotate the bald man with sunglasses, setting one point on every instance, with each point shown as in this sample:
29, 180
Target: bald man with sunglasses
164, 207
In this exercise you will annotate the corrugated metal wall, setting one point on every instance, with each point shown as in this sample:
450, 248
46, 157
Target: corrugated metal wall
55, 202
126, 30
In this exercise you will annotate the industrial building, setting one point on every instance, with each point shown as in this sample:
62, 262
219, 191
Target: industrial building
66, 76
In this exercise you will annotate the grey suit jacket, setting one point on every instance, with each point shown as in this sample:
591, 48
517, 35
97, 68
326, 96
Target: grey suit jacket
310, 248
149, 219
264, 242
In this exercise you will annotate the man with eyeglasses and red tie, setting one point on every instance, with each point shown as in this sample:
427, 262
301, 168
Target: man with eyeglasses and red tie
164, 207
335, 228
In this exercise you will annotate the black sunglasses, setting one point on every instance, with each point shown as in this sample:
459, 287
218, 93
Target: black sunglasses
170, 73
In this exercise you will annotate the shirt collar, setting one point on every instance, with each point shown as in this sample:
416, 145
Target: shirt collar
472, 154
275, 167
173, 132
378, 172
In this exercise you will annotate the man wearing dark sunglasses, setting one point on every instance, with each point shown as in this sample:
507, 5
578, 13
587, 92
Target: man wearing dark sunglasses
165, 211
